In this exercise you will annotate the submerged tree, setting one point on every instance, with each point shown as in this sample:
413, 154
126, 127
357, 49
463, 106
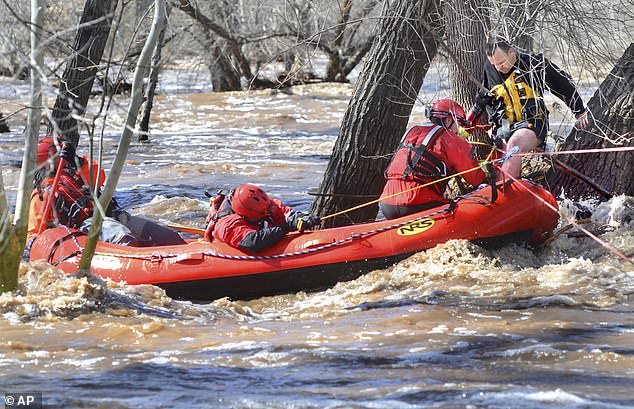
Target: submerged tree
379, 109
150, 91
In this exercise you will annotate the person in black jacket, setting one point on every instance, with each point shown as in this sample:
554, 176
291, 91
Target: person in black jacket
515, 101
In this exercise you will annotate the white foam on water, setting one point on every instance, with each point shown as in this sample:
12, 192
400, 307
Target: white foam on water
537, 351
86, 363
439, 329
529, 398
266, 359
228, 346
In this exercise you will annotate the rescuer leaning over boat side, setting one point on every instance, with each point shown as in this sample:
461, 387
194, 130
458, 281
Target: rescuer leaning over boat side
248, 219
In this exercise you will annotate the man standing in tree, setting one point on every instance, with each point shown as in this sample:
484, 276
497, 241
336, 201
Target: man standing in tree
515, 102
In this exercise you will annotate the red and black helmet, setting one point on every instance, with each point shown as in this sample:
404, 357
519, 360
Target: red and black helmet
448, 108
250, 201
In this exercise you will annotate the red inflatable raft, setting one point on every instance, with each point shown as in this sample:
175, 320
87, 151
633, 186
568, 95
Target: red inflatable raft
312, 260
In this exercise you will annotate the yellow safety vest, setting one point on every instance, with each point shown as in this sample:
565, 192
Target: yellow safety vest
515, 93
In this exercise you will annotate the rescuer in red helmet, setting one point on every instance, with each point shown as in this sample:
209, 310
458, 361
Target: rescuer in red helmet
427, 153
248, 219
74, 202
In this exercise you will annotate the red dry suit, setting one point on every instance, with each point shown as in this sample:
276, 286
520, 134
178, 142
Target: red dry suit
427, 153
249, 236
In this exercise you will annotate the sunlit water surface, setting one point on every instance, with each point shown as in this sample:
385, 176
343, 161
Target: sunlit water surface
455, 326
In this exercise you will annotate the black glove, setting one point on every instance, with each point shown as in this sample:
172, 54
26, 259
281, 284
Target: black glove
307, 222
483, 99
301, 221
490, 172
68, 153
293, 220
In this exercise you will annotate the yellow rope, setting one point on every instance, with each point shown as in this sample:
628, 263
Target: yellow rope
488, 158
398, 193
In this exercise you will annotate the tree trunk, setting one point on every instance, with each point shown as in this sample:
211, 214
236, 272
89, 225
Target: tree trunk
612, 107
10, 246
79, 75
467, 26
334, 68
224, 77
144, 125
13, 236
233, 47
4, 128
136, 99
378, 112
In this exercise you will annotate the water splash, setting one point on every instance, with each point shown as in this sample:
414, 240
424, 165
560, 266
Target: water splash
45, 292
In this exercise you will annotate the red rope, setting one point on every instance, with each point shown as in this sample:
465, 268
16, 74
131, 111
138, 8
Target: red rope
574, 223
50, 200
599, 150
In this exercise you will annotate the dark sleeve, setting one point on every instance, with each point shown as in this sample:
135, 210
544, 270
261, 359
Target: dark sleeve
560, 84
482, 97
259, 240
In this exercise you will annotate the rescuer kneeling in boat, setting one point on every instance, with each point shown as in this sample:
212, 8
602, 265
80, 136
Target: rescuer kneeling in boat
427, 153
73, 204
248, 219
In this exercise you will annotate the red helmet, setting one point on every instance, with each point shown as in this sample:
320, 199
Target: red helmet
250, 201
448, 108
45, 149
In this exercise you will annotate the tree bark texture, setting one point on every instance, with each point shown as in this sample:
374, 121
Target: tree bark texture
612, 107
377, 115
467, 27
79, 74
